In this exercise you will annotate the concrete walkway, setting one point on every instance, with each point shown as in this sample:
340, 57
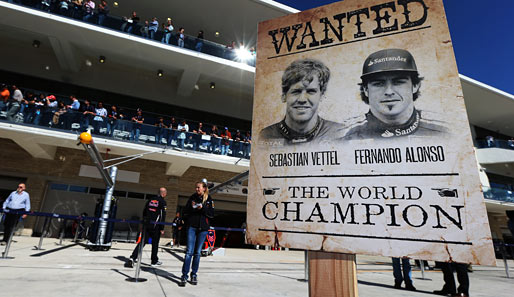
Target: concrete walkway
72, 270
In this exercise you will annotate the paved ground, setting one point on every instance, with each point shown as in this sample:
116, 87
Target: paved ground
71, 270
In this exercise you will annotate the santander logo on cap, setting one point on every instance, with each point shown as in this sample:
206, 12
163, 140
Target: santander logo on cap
387, 59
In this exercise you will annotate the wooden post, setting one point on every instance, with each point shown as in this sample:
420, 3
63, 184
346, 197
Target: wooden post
332, 274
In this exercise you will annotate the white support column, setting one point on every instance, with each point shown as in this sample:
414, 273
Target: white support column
66, 55
187, 82
36, 150
177, 168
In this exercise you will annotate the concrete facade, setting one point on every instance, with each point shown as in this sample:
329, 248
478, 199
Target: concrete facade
65, 166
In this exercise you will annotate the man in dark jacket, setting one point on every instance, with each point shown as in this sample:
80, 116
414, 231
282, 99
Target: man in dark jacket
154, 211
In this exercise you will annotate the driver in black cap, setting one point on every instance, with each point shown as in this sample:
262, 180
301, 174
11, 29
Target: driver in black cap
304, 83
390, 85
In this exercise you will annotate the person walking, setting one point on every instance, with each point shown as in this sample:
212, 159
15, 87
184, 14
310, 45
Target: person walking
18, 200
406, 277
154, 212
449, 287
198, 212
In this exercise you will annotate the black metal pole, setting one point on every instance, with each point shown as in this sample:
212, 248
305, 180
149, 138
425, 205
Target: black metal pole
61, 234
503, 250
44, 232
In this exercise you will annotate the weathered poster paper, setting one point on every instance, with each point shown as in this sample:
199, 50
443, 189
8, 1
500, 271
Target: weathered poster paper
361, 138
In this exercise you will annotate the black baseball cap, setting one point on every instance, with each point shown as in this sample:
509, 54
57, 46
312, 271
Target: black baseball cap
393, 59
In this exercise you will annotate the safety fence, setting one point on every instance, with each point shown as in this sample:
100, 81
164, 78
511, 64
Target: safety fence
78, 218
502, 248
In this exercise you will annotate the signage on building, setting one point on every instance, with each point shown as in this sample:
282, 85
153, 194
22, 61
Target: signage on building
361, 139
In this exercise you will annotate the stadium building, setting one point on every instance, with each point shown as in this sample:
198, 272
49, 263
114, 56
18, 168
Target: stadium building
51, 51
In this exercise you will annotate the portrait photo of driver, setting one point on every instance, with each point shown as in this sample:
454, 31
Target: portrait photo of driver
390, 85
304, 83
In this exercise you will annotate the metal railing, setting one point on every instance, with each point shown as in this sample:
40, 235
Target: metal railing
129, 131
497, 143
498, 194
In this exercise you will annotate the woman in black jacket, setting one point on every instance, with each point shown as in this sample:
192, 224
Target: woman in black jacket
197, 213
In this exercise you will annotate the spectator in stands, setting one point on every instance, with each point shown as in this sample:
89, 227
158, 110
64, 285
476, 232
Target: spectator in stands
172, 131
89, 9
510, 142
73, 110
14, 104
75, 104
215, 140
197, 141
100, 117
182, 129
225, 141
168, 28
88, 112
103, 11
5, 94
230, 51
51, 103
39, 107
28, 112
253, 54
152, 29
160, 129
237, 145
181, 37
123, 123
44, 5
199, 41
112, 120
130, 23
57, 119
247, 141
191, 137
490, 141
145, 30
64, 7
77, 9
198, 212
137, 122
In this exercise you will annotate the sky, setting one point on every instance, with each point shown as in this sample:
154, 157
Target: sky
482, 36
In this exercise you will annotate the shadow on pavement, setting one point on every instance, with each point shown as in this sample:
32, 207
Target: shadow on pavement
147, 268
389, 287
284, 276
53, 250
162, 273
174, 254
125, 275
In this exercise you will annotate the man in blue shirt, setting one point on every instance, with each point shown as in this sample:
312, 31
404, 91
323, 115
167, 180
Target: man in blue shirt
72, 113
19, 200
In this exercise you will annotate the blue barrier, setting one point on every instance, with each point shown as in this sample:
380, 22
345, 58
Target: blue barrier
82, 218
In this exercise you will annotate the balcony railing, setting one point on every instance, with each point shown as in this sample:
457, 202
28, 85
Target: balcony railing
129, 131
142, 133
498, 194
119, 24
498, 143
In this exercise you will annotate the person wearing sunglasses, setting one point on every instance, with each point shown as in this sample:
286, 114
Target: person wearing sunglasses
18, 200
